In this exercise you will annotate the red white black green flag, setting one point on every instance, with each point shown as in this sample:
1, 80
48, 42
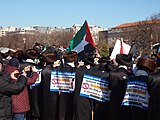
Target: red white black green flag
82, 42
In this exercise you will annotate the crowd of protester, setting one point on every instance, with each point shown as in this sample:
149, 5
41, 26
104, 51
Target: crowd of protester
129, 86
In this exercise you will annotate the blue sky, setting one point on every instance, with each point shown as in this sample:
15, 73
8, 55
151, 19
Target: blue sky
65, 13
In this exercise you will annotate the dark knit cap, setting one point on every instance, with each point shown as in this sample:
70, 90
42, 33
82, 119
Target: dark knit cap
14, 62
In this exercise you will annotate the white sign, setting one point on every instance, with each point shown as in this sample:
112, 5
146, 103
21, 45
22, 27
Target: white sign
38, 81
62, 82
95, 88
136, 94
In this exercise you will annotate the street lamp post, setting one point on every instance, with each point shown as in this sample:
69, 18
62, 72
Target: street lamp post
24, 44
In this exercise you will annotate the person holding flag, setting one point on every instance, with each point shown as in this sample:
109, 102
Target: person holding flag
82, 42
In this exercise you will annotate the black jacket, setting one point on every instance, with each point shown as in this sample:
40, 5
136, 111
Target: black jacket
66, 99
82, 105
8, 88
117, 85
49, 100
100, 108
154, 101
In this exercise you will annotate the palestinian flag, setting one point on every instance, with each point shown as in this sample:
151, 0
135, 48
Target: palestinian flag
82, 42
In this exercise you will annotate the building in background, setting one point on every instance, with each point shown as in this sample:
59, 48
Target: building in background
93, 28
5, 30
119, 31
26, 30
48, 30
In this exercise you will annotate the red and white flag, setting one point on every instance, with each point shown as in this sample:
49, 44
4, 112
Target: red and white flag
120, 48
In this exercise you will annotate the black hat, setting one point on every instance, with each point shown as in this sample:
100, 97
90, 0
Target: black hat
147, 63
123, 59
14, 62
104, 59
89, 60
18, 53
31, 53
36, 44
70, 56
10, 53
49, 57
4, 55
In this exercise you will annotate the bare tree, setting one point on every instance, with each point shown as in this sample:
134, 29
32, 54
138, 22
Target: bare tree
156, 31
61, 37
25, 41
103, 48
143, 33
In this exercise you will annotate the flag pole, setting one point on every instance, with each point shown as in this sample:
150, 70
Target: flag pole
92, 115
92, 109
121, 48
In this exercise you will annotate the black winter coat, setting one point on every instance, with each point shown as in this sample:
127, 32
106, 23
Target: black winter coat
100, 108
154, 92
118, 85
66, 99
82, 105
8, 88
49, 100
